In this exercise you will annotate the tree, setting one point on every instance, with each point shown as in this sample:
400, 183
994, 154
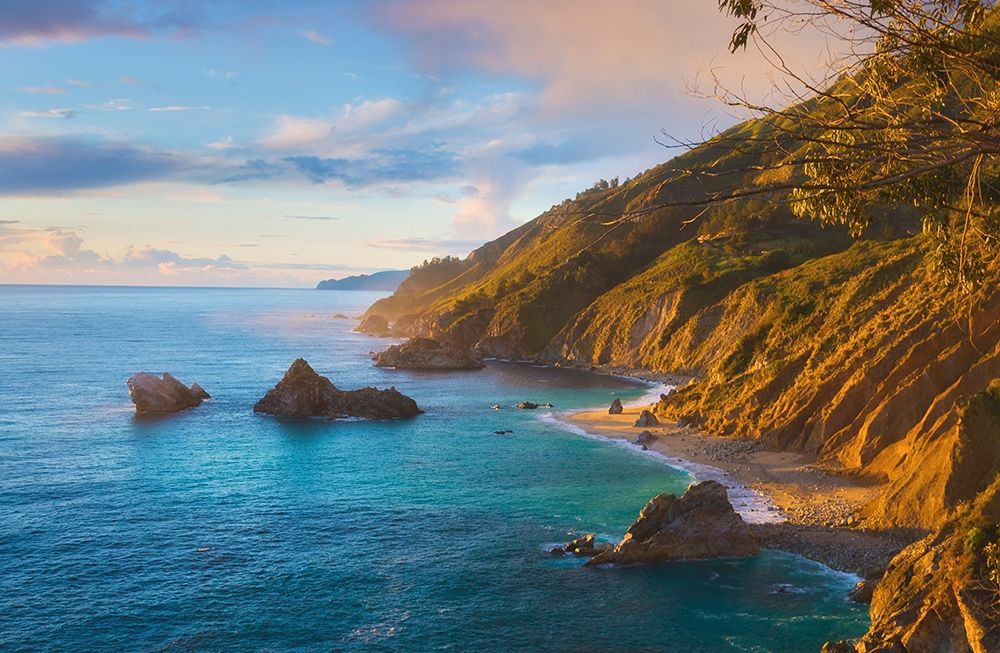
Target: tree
911, 114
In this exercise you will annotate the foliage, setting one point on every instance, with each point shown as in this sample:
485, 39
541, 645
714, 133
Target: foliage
910, 116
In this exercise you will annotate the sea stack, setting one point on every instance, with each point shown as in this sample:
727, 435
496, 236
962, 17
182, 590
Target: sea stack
700, 524
428, 354
304, 393
154, 395
616, 407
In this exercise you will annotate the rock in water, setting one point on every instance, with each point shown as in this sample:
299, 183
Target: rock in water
527, 405
700, 524
616, 407
428, 354
304, 393
646, 419
153, 395
374, 325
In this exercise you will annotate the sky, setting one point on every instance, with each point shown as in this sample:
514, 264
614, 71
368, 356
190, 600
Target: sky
257, 143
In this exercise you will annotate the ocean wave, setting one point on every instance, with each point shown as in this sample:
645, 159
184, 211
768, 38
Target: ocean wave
755, 507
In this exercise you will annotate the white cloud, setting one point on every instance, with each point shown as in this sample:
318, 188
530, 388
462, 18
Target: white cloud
315, 37
178, 107
41, 90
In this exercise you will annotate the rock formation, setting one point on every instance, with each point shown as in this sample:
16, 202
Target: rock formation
153, 395
700, 524
616, 407
527, 405
646, 419
374, 325
427, 354
645, 438
941, 593
304, 393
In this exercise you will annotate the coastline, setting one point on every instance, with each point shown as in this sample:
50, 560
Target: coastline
790, 504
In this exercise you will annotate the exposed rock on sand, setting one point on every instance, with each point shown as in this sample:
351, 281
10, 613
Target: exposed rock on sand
374, 325
428, 354
646, 419
153, 395
645, 438
616, 407
304, 393
700, 524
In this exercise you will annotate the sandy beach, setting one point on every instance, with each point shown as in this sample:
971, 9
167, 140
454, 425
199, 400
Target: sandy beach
798, 507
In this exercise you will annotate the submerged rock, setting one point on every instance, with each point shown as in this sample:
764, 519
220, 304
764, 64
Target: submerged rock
646, 418
700, 524
428, 354
616, 407
304, 393
153, 395
374, 325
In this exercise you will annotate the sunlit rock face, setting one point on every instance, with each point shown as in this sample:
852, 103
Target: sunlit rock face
428, 354
304, 393
154, 395
699, 524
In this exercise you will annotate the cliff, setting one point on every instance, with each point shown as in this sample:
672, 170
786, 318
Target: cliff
852, 350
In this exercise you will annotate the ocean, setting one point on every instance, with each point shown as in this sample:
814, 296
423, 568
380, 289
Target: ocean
218, 529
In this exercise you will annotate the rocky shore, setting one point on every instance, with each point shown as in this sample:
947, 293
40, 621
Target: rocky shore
820, 508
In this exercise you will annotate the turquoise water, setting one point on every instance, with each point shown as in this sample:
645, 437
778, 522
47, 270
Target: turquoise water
221, 530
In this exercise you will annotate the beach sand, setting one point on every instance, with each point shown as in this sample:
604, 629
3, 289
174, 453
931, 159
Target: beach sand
811, 512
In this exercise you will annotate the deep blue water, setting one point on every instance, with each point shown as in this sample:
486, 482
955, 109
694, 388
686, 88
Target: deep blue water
218, 529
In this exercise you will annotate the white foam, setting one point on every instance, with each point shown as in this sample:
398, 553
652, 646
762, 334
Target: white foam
755, 507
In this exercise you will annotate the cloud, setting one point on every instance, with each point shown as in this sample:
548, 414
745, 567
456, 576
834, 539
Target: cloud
41, 90
60, 114
588, 55
167, 260
431, 245
319, 218
177, 107
252, 170
71, 21
120, 104
315, 37
379, 166
224, 144
55, 165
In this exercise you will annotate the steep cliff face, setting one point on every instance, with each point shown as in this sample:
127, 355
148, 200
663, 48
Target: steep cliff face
941, 593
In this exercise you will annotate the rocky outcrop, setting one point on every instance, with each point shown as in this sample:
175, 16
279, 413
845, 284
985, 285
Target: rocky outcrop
304, 393
700, 524
428, 354
646, 419
527, 405
941, 593
374, 325
616, 407
153, 395
645, 438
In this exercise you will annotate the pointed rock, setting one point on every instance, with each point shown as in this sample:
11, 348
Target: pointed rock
616, 407
700, 524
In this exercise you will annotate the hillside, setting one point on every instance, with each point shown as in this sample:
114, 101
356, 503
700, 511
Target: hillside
852, 350
387, 280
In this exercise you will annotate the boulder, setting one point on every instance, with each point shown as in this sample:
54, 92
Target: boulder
527, 405
616, 407
700, 524
374, 325
586, 545
428, 354
304, 393
645, 438
153, 395
646, 419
